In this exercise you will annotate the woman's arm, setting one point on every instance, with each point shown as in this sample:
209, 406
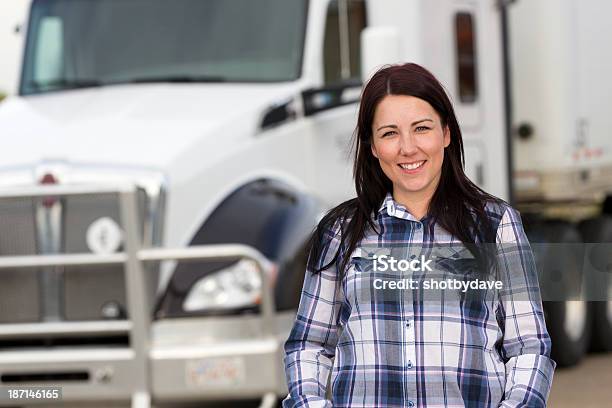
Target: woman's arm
526, 344
310, 349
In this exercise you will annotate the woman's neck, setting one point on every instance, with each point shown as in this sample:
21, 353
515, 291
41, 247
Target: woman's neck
417, 206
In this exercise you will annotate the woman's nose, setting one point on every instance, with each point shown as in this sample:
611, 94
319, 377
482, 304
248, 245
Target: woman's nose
407, 145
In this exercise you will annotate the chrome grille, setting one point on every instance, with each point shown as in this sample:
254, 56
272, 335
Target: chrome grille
80, 212
88, 289
17, 226
19, 296
19, 291
79, 293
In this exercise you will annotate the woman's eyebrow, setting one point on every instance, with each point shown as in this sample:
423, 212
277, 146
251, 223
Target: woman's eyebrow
413, 123
389, 126
422, 120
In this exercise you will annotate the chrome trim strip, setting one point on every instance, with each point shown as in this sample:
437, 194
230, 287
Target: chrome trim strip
49, 229
26, 261
64, 190
63, 329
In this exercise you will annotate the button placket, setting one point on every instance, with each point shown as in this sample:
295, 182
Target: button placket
409, 354
410, 344
414, 249
409, 334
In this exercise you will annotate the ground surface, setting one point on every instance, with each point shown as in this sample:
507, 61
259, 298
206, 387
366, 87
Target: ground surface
588, 385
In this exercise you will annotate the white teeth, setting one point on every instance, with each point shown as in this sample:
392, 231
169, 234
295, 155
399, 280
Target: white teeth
412, 166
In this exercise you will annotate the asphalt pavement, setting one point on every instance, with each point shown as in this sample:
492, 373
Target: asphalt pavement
588, 385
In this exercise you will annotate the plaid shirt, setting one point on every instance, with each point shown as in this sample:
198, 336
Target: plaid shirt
419, 353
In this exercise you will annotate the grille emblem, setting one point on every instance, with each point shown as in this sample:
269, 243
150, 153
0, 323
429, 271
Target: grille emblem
104, 236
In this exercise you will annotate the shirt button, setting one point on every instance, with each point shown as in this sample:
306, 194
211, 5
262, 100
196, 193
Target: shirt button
409, 365
410, 404
409, 323
418, 226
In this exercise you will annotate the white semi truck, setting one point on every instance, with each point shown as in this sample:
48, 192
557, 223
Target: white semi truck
146, 134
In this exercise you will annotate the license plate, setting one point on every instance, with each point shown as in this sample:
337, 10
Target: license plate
215, 371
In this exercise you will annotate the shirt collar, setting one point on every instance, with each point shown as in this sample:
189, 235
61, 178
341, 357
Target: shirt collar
395, 209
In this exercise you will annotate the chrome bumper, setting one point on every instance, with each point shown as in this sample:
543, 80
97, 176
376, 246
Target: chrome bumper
195, 359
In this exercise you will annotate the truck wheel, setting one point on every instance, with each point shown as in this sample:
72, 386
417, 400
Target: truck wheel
602, 340
568, 322
569, 325
599, 230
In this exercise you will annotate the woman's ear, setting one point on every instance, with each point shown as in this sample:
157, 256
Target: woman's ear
447, 138
373, 148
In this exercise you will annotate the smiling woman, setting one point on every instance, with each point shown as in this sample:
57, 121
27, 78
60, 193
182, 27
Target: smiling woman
405, 349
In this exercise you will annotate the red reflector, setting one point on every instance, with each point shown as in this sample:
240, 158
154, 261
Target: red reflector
46, 180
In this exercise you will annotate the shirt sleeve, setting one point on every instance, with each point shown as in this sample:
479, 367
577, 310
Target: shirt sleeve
310, 348
526, 344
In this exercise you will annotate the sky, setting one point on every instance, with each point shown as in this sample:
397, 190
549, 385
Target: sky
12, 13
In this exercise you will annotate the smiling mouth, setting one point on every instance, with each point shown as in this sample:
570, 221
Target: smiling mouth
412, 166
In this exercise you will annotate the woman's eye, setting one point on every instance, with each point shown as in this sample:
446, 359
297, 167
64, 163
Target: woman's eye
421, 128
388, 134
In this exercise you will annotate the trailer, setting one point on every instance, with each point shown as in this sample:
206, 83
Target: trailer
562, 154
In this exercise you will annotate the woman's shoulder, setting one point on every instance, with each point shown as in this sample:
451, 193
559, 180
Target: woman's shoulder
497, 209
505, 219
497, 213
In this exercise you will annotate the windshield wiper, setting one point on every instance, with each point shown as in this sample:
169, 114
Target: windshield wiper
178, 79
67, 83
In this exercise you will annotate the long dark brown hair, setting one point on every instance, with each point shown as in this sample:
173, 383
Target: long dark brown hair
457, 205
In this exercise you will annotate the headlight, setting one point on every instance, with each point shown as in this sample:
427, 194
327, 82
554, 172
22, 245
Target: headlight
234, 287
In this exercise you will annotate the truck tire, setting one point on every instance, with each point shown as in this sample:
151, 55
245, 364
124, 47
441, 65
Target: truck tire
569, 322
570, 340
598, 231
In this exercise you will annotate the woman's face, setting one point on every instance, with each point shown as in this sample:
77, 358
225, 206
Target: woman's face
408, 140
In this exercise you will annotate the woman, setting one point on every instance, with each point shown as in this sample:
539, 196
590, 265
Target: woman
400, 350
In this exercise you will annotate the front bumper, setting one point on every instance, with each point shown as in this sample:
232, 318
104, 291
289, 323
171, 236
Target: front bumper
165, 361
195, 359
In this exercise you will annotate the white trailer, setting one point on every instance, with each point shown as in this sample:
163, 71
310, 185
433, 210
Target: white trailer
562, 149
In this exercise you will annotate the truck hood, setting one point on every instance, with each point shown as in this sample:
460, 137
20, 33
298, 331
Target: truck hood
145, 125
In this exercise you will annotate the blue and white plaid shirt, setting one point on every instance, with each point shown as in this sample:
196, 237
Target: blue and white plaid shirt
419, 353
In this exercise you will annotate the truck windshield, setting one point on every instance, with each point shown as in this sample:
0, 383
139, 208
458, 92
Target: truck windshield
86, 43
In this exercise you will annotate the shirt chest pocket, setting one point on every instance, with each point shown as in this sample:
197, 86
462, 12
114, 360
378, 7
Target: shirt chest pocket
363, 282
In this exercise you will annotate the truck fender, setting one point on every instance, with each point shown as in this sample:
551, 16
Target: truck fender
266, 214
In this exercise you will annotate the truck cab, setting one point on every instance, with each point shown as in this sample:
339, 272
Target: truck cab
218, 123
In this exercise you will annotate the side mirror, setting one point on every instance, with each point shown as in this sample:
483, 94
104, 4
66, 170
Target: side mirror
331, 96
379, 46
